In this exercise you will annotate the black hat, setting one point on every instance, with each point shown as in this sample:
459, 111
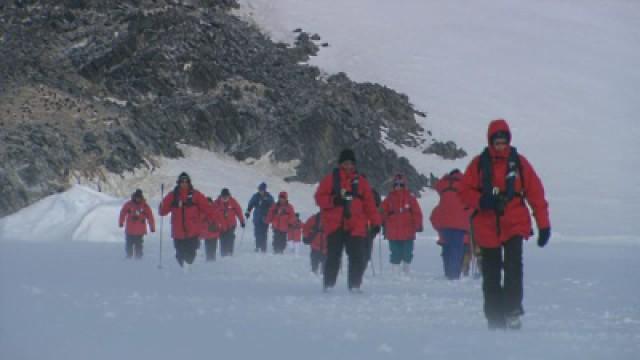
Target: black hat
137, 194
184, 176
225, 192
347, 155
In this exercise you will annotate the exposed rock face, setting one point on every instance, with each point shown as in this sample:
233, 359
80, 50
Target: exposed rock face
89, 86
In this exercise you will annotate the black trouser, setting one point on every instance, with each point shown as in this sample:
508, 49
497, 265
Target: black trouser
260, 231
227, 240
210, 248
186, 249
279, 241
367, 249
502, 300
317, 260
354, 247
133, 245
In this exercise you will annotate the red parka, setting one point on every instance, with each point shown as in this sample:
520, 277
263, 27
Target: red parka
211, 229
516, 220
450, 212
281, 215
402, 215
295, 231
186, 212
230, 210
363, 206
317, 235
136, 215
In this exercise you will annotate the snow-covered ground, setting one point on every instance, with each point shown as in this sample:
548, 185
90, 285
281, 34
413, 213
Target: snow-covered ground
564, 73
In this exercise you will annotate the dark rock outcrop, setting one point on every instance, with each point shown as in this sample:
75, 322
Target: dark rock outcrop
95, 86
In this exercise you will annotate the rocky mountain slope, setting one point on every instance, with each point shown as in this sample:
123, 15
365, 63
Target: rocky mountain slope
89, 87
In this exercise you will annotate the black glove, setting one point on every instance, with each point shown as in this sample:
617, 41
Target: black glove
338, 200
543, 236
246, 215
488, 202
242, 225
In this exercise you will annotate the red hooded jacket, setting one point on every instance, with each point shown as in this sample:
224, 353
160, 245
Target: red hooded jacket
136, 216
318, 238
450, 212
516, 220
187, 212
281, 216
211, 229
295, 231
230, 210
363, 206
402, 215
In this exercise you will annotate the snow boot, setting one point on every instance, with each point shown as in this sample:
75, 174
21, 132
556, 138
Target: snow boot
406, 267
513, 322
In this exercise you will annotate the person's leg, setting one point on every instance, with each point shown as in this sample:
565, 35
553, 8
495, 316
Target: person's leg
395, 248
190, 249
263, 228
137, 247
179, 246
128, 246
210, 248
335, 243
355, 253
456, 238
407, 255
513, 274
491, 287
315, 260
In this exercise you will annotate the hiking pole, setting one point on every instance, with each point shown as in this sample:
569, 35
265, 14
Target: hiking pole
161, 223
380, 251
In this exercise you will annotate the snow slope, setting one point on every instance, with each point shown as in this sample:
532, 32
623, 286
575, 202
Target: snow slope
563, 73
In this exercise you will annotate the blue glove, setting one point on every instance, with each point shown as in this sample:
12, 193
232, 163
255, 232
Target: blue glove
543, 236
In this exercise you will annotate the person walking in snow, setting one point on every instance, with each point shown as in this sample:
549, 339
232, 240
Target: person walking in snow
211, 232
314, 236
281, 216
346, 207
261, 202
186, 205
402, 219
135, 213
500, 183
230, 210
294, 235
450, 218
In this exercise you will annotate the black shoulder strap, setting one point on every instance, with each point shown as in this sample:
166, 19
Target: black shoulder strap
513, 166
316, 225
336, 181
484, 167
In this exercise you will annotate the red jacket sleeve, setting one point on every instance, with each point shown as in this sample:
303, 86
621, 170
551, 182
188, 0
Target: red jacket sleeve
416, 211
324, 193
369, 205
204, 206
470, 188
123, 214
270, 214
534, 193
149, 215
237, 209
165, 205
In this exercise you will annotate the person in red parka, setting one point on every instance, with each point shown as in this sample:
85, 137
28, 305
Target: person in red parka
231, 211
347, 208
402, 218
186, 206
135, 214
499, 183
313, 235
211, 230
281, 216
294, 235
450, 218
